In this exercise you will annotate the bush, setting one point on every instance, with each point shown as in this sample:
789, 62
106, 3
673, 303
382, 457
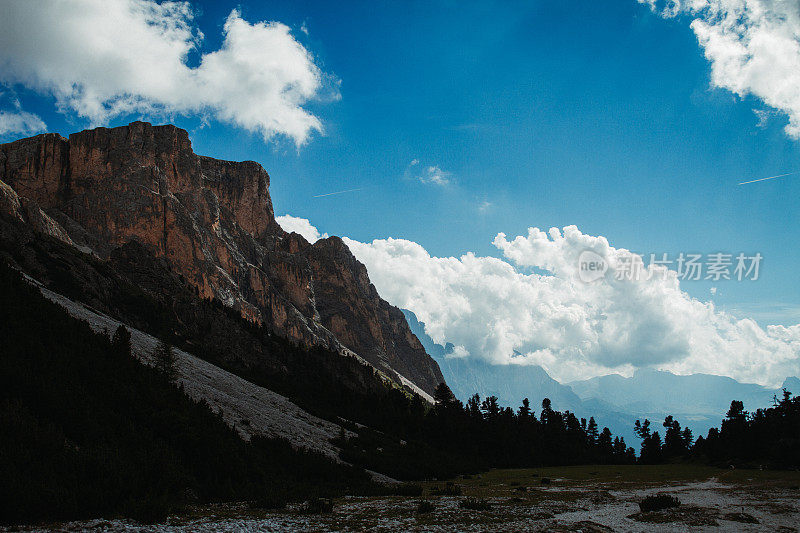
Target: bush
659, 502
451, 489
319, 506
475, 504
425, 506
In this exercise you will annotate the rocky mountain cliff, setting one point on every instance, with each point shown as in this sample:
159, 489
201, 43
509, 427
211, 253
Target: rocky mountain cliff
212, 222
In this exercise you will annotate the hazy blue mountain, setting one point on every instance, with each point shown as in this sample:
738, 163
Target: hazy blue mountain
699, 401
792, 385
512, 383
657, 391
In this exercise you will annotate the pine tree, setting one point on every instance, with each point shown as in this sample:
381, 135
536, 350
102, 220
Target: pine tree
474, 407
651, 449
524, 410
591, 431
605, 445
547, 410
642, 430
443, 396
164, 360
121, 341
490, 408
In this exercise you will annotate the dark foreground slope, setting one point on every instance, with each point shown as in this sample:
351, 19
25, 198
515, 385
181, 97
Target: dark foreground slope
89, 431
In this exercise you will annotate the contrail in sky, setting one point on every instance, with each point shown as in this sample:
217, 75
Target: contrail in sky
769, 178
337, 192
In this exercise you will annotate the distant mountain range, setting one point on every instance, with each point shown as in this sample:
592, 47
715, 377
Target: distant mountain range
698, 401
511, 383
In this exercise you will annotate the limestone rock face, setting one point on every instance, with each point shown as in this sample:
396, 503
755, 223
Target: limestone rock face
213, 223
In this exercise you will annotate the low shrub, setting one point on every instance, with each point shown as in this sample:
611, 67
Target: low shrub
475, 504
659, 502
451, 489
425, 506
318, 506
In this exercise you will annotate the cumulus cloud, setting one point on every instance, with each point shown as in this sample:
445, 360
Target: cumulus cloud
106, 58
507, 312
300, 226
753, 47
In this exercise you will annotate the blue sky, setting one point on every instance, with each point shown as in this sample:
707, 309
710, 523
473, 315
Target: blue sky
598, 114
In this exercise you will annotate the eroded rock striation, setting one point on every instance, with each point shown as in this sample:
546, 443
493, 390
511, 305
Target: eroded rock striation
212, 222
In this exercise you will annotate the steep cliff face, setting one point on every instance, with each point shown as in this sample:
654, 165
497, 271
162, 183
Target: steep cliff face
212, 221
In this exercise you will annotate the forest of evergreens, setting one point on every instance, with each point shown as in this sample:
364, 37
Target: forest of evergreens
89, 431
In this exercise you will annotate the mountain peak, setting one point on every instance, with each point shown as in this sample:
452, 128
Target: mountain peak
212, 221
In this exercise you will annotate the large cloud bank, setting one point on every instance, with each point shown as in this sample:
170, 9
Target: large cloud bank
753, 47
106, 58
503, 311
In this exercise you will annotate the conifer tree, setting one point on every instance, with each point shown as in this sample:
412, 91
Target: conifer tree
164, 360
121, 341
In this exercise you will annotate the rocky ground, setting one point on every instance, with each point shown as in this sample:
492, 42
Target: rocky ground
589, 499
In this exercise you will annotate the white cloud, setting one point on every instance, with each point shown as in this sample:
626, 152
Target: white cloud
19, 121
753, 47
106, 58
301, 226
493, 308
429, 175
435, 176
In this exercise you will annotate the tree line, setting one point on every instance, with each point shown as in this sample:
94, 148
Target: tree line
452, 437
766, 438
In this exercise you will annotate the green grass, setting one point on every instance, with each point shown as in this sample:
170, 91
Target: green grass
508, 483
